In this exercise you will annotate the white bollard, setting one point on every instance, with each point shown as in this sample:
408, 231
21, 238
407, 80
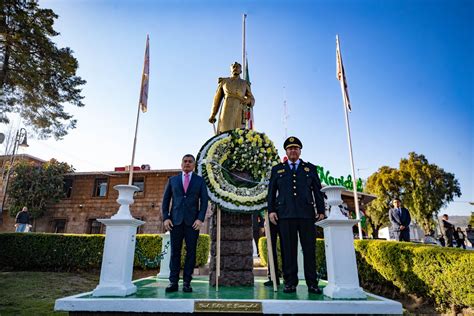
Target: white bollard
343, 280
119, 249
165, 262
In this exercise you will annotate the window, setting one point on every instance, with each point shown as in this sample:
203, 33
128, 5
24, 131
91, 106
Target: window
59, 226
139, 182
94, 227
67, 187
100, 187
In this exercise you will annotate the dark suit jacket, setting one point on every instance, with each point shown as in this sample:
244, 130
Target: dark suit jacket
186, 207
295, 195
448, 229
399, 220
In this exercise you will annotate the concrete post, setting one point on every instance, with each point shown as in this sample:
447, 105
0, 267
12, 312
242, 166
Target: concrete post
343, 280
165, 262
119, 249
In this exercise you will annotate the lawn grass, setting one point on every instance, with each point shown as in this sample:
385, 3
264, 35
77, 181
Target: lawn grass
34, 293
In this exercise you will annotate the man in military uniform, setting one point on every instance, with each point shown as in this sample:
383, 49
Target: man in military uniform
293, 194
235, 95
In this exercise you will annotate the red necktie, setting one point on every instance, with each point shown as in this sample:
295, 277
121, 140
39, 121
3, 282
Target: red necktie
186, 182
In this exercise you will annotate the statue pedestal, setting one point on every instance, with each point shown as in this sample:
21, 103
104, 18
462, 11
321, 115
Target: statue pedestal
119, 249
165, 262
343, 280
236, 250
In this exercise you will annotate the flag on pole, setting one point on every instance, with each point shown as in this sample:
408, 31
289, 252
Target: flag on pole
249, 114
341, 75
247, 76
145, 78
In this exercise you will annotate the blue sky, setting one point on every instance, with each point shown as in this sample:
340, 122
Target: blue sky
409, 68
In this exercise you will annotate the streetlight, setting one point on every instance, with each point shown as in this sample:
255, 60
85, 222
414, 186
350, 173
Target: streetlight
20, 141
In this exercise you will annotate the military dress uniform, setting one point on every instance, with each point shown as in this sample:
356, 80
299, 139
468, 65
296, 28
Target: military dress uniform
294, 194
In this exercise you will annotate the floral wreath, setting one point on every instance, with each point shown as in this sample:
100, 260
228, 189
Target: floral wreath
236, 166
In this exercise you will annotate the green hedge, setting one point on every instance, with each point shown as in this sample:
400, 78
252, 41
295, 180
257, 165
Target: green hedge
320, 258
443, 275
64, 252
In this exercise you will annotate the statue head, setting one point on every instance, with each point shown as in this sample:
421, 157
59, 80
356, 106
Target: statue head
236, 69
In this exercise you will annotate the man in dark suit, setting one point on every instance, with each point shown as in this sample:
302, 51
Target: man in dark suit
400, 219
448, 230
189, 195
293, 193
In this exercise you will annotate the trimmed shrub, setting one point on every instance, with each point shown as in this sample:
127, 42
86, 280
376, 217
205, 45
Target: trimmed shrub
320, 257
64, 252
443, 275
52, 252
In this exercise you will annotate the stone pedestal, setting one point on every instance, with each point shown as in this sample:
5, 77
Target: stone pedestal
236, 250
343, 280
119, 249
165, 262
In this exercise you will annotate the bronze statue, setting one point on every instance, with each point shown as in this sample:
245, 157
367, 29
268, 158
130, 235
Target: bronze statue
236, 96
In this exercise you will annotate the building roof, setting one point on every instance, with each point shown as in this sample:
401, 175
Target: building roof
22, 156
120, 173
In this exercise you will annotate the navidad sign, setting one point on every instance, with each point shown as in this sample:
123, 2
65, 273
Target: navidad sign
327, 179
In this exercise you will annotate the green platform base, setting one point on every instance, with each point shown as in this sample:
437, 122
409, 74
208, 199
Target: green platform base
152, 298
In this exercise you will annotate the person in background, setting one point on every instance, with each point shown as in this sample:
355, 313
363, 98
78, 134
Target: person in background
400, 219
460, 238
470, 234
448, 230
257, 228
22, 220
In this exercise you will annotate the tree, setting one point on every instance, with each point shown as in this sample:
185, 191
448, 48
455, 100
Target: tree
36, 186
471, 220
427, 188
385, 184
36, 77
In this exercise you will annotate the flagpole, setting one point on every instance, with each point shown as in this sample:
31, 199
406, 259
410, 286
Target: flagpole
244, 17
130, 178
271, 255
349, 142
142, 104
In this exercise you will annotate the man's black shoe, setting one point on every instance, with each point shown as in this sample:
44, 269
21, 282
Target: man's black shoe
269, 283
314, 289
187, 288
172, 287
289, 289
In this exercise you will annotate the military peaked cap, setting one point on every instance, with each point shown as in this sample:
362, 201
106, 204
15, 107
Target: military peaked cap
292, 142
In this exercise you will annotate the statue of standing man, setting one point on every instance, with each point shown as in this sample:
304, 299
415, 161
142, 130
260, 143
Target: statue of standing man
235, 95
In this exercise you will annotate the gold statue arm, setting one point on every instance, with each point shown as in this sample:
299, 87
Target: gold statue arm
249, 96
217, 101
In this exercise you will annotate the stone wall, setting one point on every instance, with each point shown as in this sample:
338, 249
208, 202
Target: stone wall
82, 206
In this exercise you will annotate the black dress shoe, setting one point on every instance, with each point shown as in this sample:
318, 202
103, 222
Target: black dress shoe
172, 287
314, 289
269, 283
289, 289
187, 288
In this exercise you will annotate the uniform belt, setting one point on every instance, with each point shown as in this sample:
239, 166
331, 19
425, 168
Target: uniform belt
235, 96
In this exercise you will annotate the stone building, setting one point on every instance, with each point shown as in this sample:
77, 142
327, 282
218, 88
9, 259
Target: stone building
91, 196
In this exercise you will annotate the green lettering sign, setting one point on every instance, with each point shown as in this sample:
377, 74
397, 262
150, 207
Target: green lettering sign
327, 179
